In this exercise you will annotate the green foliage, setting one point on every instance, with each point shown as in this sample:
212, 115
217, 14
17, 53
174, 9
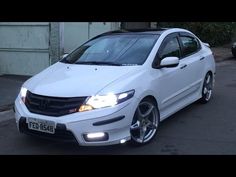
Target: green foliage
214, 33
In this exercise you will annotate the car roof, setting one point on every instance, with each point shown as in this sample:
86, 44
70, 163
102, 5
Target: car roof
136, 31
151, 31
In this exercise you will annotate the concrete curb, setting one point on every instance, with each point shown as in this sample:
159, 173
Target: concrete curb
6, 107
224, 59
6, 115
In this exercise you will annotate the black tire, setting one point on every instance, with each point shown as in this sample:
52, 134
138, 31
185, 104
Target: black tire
207, 88
144, 125
234, 52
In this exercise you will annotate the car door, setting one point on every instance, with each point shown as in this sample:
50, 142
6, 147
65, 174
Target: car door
170, 82
193, 60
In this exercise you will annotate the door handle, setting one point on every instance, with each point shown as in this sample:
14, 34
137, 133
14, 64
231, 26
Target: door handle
202, 58
182, 67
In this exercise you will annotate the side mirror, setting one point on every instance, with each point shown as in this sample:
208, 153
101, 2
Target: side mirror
63, 56
169, 62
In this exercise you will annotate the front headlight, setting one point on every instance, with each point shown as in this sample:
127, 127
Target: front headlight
102, 101
23, 92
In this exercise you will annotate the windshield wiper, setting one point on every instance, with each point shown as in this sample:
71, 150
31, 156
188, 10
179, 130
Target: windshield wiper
98, 63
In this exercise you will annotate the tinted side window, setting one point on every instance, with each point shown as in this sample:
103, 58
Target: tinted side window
190, 45
170, 49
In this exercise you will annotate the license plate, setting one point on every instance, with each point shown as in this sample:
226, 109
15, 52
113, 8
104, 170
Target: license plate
41, 125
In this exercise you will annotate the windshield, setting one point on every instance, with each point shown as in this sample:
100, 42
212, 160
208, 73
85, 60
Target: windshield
119, 49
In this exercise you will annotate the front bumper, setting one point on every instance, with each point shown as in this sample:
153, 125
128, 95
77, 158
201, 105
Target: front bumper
114, 121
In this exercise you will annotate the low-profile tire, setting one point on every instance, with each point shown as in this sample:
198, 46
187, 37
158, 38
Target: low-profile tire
233, 52
207, 88
145, 122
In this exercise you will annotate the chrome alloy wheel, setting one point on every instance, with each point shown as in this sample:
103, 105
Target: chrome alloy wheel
207, 88
145, 122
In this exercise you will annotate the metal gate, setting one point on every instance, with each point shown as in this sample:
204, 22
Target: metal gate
77, 33
28, 48
24, 47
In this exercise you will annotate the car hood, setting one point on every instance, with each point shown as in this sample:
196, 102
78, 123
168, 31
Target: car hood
70, 80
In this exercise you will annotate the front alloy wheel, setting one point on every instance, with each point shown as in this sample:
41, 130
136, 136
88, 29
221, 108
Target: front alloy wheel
145, 122
207, 88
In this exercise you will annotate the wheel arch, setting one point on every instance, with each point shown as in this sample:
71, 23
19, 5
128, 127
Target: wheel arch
151, 96
212, 73
148, 94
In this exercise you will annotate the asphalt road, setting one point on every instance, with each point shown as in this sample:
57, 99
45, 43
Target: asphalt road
197, 129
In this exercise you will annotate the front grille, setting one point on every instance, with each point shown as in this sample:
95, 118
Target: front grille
60, 132
52, 106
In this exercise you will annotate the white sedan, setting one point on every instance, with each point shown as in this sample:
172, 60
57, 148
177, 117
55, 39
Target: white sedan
117, 87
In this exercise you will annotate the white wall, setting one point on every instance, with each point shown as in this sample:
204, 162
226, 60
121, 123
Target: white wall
76, 33
24, 47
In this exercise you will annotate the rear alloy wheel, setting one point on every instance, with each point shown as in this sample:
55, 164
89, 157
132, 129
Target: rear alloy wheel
145, 122
207, 88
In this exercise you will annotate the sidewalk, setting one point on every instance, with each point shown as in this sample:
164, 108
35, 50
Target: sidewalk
9, 88
222, 53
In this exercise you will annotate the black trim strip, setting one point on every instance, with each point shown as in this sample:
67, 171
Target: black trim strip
104, 122
202, 58
182, 67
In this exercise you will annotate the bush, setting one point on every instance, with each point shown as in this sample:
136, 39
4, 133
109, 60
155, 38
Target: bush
214, 33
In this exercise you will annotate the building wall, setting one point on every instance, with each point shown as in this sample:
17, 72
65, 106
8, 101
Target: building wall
76, 33
135, 25
24, 47
28, 48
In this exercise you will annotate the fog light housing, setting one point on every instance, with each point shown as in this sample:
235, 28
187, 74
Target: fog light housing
97, 136
122, 141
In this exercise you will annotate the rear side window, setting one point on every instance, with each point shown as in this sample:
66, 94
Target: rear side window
170, 49
190, 45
